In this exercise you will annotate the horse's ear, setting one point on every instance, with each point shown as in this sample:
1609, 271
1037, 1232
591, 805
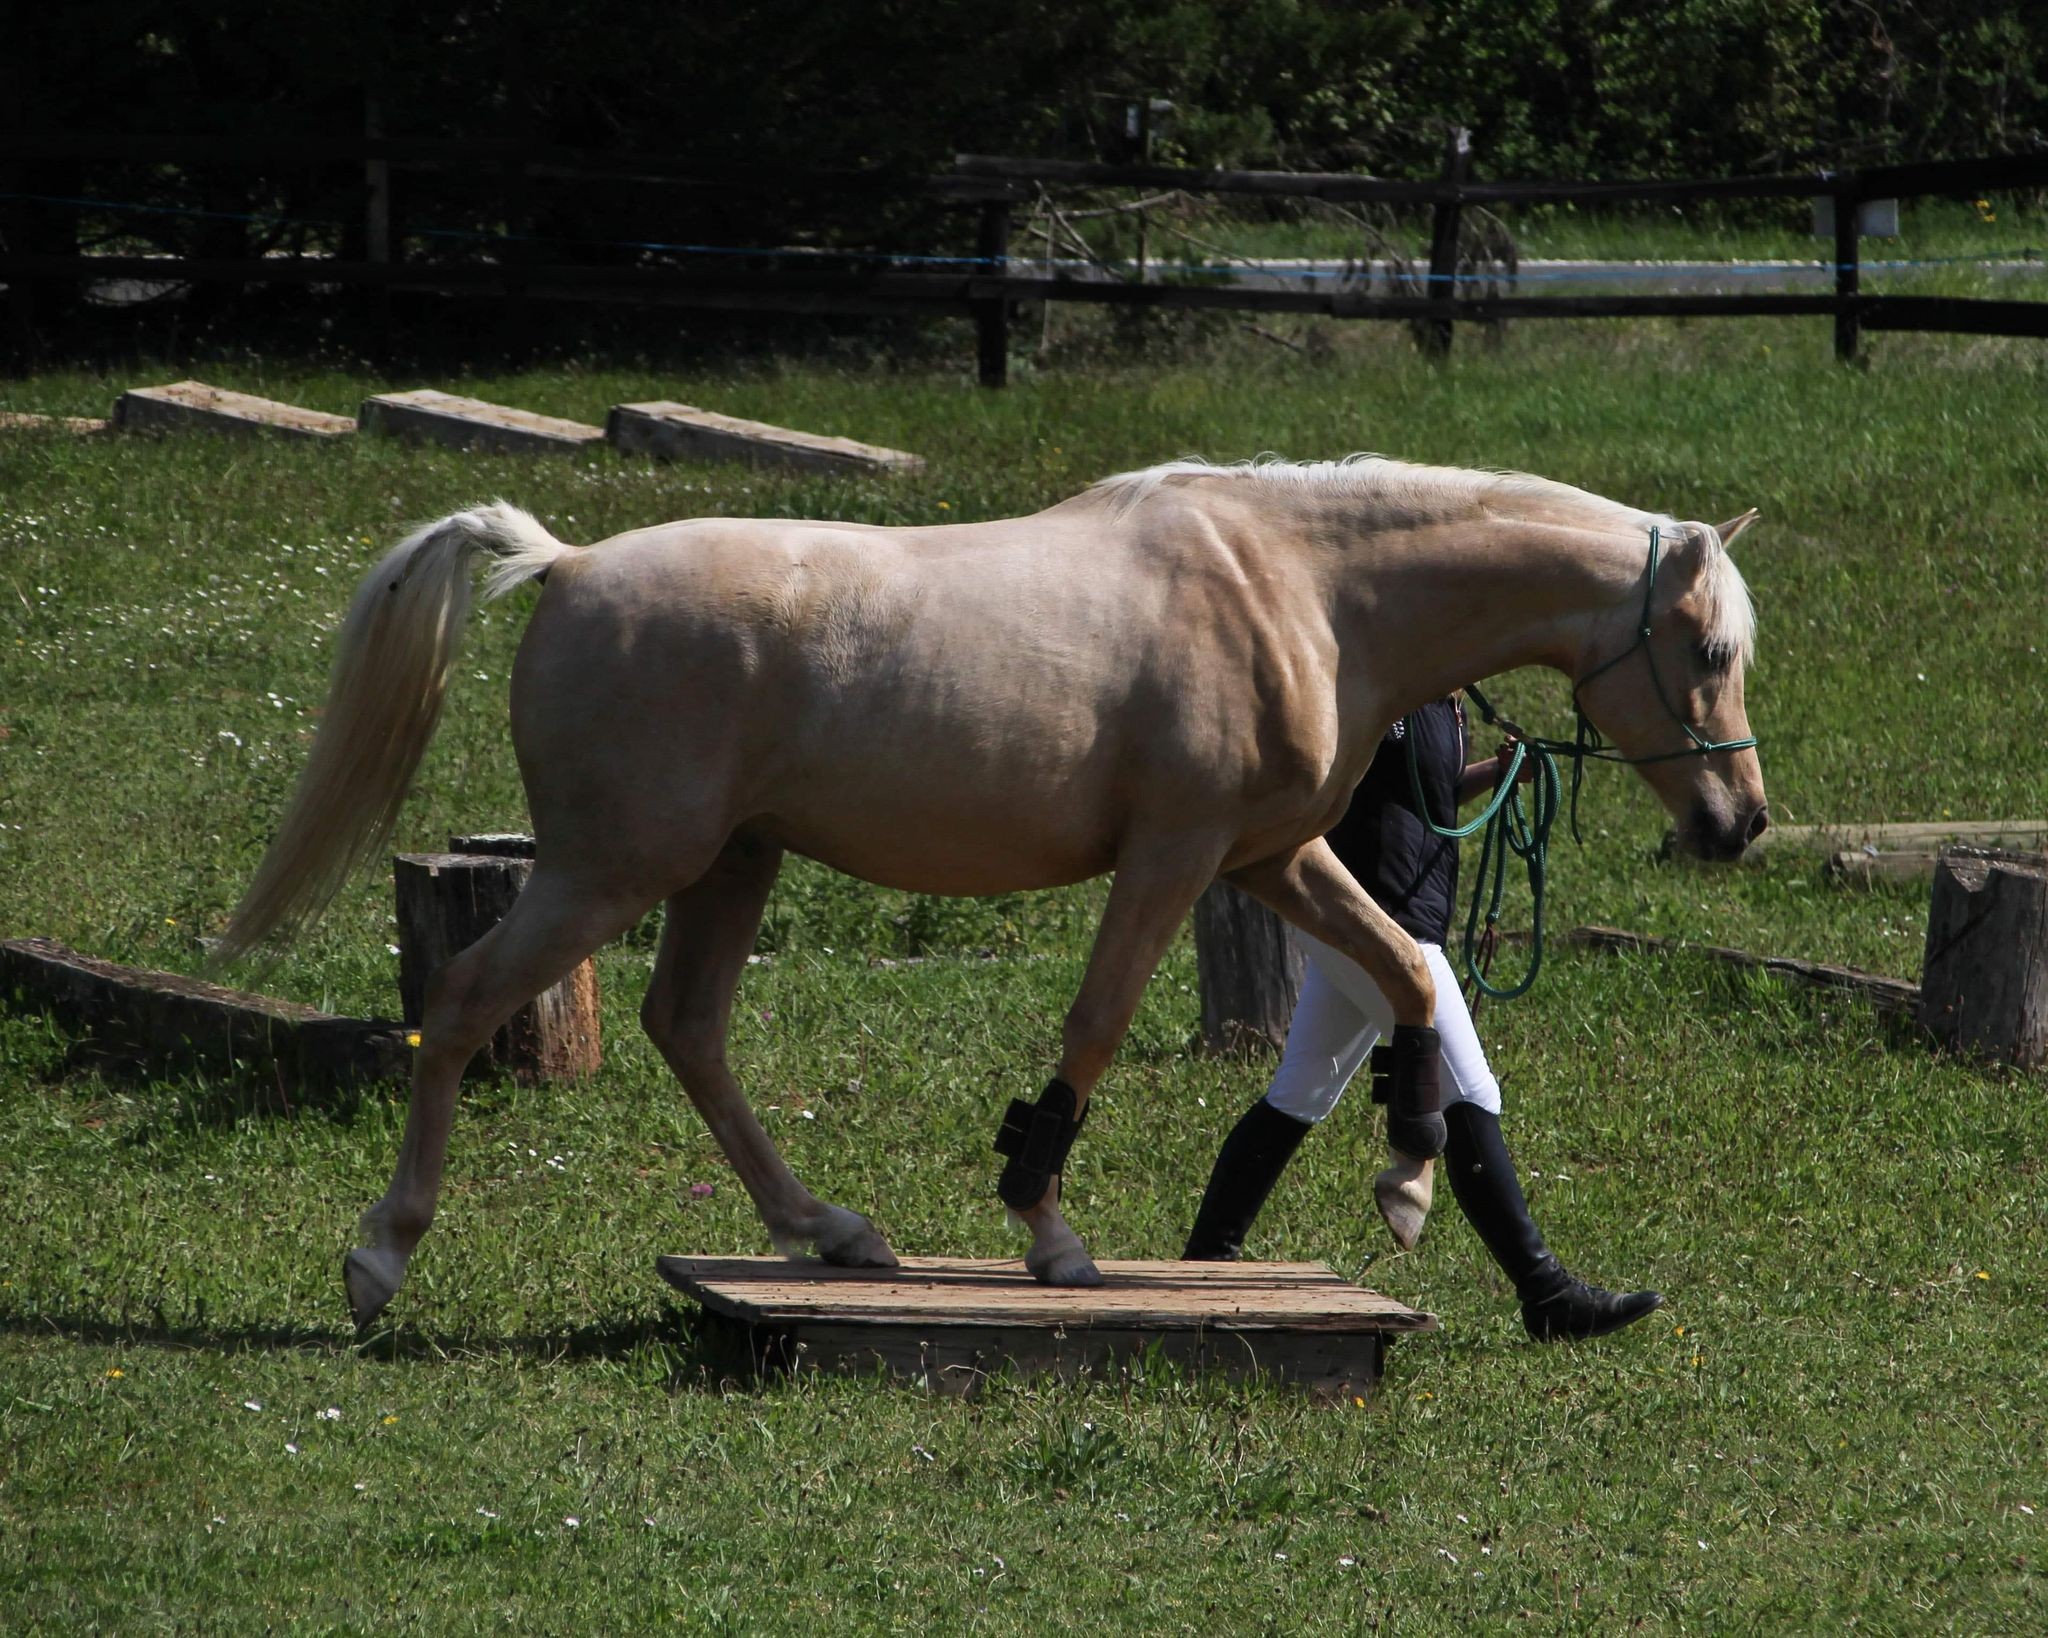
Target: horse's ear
1729, 530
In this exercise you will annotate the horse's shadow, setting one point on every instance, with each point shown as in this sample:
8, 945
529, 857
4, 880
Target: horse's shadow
672, 1342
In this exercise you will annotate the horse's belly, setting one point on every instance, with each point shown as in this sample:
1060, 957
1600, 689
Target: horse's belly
961, 849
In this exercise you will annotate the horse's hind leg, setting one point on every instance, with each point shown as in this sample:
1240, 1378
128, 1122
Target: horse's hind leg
708, 930
554, 923
1152, 894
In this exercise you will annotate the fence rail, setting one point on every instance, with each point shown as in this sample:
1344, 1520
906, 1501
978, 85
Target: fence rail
986, 284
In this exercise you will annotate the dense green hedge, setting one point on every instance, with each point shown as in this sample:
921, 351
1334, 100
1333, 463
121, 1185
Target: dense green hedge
1550, 88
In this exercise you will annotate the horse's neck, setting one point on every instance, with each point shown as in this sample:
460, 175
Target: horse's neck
1430, 608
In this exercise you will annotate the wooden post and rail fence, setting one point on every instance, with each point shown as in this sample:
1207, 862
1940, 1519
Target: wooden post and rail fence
377, 250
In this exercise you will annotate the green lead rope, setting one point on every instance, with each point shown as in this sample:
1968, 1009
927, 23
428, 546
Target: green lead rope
1510, 828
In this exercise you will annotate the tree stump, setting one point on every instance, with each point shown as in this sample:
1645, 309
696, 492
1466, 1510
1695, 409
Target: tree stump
1248, 971
446, 902
1984, 989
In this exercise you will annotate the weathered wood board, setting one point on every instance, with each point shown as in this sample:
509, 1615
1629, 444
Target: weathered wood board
431, 416
950, 1322
134, 1015
24, 421
187, 404
684, 432
1918, 834
1867, 866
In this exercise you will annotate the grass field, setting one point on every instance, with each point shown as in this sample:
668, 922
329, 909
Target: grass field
1836, 1421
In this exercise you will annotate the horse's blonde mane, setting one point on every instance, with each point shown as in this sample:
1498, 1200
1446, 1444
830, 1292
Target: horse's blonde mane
1406, 488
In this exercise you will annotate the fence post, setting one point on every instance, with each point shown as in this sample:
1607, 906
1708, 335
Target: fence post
1984, 987
992, 313
1247, 970
1848, 325
446, 902
1443, 241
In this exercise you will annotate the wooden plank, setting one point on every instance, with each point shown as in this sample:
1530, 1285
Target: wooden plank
1893, 996
2020, 834
432, 416
22, 421
970, 1293
186, 404
674, 431
1956, 315
1867, 866
135, 1015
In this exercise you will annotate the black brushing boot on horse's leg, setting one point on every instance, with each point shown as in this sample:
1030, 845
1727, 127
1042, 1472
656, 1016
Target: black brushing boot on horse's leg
1249, 1164
1555, 1306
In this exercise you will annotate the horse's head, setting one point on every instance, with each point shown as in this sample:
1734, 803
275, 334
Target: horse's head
1661, 677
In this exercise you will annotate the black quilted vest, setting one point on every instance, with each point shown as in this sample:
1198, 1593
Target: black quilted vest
1411, 873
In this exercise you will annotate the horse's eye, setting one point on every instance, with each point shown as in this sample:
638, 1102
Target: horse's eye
1711, 660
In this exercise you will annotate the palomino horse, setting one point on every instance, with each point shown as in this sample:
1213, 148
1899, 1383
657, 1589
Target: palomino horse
1178, 674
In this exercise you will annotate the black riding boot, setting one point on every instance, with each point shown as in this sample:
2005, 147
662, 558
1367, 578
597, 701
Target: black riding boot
1555, 1307
1248, 1165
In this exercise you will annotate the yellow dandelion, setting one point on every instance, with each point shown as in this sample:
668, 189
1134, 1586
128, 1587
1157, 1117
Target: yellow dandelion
945, 506
1679, 1332
1358, 1400
412, 1037
1982, 1275
390, 1420
117, 1372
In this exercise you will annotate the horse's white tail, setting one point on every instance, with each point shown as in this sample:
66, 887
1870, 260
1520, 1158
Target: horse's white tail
398, 645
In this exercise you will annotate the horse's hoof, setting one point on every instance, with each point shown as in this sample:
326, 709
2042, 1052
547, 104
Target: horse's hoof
1068, 1266
1403, 1193
849, 1240
372, 1276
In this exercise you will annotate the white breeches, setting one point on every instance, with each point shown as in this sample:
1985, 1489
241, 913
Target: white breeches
1341, 1015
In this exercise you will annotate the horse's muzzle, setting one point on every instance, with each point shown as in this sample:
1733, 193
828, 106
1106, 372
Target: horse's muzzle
1708, 837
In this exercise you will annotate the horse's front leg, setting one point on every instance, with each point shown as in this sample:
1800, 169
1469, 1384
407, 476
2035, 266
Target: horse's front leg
1156, 886
1311, 889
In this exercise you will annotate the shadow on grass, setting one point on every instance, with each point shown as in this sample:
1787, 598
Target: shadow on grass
679, 1349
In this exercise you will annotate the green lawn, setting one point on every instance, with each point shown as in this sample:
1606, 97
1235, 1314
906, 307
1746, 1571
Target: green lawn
1837, 1419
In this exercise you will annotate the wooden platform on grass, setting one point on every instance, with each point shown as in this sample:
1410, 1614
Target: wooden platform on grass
429, 416
683, 432
185, 404
949, 1322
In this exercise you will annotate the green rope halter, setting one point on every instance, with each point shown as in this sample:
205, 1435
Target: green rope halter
1512, 829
